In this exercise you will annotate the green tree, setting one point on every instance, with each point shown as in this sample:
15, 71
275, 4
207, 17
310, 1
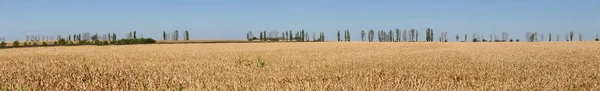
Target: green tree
291, 35
62, 41
114, 36
187, 35
322, 37
95, 36
74, 36
134, 35
338, 36
466, 38
371, 35
412, 35
427, 35
176, 35
416, 35
362, 35
550, 37
457, 37
69, 37
431, 34
284, 35
2, 44
16, 43
164, 35
348, 34
571, 35
249, 36
398, 35
302, 35
261, 36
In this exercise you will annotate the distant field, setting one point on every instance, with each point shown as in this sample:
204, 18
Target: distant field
199, 41
305, 66
210, 41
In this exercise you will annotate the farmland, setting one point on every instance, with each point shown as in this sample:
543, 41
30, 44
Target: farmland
305, 66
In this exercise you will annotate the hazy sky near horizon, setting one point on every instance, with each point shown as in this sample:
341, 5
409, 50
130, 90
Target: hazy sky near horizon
232, 19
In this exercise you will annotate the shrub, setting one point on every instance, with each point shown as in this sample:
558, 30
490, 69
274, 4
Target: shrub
517, 40
2, 44
82, 42
25, 44
55, 43
44, 44
70, 43
597, 39
475, 40
105, 42
136, 41
62, 41
97, 42
511, 40
16, 44
35, 44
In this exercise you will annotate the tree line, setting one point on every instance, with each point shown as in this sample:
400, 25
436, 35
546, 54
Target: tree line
298, 36
539, 37
410, 35
405, 35
175, 35
79, 39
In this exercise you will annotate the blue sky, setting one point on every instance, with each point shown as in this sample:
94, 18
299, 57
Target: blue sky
231, 19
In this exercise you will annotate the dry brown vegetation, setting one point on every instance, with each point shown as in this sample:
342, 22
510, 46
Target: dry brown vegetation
305, 66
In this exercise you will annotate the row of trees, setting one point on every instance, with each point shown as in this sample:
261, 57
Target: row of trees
82, 39
74, 37
346, 36
429, 36
175, 35
285, 36
536, 37
390, 36
38, 38
412, 35
85, 36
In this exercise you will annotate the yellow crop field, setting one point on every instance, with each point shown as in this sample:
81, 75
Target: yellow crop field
305, 66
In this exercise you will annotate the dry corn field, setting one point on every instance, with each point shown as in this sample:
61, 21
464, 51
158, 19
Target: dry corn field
305, 66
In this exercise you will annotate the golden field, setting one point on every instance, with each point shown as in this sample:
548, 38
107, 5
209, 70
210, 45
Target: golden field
199, 41
305, 66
